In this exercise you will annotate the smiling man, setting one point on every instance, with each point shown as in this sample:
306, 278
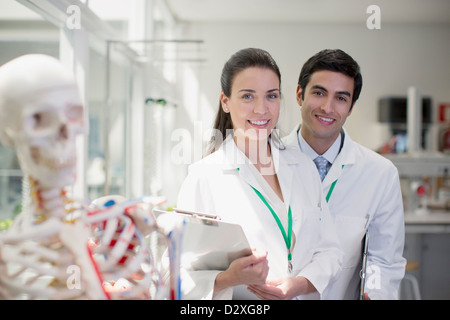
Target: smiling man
362, 188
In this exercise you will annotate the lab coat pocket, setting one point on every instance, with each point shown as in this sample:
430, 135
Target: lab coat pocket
310, 221
351, 231
306, 232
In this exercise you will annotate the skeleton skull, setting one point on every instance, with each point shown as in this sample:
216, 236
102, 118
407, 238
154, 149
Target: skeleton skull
41, 114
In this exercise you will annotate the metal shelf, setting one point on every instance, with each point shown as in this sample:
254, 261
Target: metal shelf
421, 164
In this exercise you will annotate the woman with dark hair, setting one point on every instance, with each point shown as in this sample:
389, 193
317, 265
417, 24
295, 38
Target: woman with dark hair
273, 193
238, 62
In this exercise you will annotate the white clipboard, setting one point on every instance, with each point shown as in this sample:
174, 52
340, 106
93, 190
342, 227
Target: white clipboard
209, 243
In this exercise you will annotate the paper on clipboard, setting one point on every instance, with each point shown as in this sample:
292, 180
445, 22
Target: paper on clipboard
209, 243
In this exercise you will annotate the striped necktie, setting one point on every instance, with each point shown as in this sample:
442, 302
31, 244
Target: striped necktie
322, 165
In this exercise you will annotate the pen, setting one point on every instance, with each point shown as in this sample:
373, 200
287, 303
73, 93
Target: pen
367, 221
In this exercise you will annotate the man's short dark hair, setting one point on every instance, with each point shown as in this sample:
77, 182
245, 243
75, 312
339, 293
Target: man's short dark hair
332, 60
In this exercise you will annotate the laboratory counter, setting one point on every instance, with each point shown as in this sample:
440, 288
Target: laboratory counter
433, 222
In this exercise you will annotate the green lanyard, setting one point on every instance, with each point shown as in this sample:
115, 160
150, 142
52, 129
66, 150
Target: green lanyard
288, 237
332, 188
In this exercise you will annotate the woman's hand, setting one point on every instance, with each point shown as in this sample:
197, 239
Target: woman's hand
282, 289
249, 270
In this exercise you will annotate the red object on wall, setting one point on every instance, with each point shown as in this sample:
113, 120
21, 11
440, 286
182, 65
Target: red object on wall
444, 112
446, 140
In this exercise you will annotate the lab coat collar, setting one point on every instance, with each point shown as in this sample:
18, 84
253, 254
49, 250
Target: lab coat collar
238, 163
291, 139
330, 154
234, 157
346, 156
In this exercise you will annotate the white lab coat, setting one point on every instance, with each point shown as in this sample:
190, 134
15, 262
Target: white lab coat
366, 195
215, 185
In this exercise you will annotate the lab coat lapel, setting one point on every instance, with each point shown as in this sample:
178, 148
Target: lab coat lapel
291, 139
345, 158
237, 162
284, 166
245, 173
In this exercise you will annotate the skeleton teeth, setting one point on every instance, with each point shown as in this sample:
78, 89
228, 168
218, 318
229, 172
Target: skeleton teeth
57, 163
52, 163
259, 123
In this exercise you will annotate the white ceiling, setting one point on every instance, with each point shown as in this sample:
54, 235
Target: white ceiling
322, 11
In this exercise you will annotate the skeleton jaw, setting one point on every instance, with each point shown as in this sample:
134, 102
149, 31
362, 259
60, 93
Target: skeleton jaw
50, 167
53, 163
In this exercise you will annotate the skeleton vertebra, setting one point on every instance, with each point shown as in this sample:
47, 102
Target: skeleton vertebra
45, 256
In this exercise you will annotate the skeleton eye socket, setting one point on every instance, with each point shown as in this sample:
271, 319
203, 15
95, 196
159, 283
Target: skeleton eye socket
36, 118
41, 120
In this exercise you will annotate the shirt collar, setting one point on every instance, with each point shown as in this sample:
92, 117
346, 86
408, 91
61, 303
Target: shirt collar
330, 154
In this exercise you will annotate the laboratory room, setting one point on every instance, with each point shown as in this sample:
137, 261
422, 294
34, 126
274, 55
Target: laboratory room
173, 150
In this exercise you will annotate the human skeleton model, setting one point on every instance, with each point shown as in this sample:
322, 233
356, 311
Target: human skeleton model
58, 248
